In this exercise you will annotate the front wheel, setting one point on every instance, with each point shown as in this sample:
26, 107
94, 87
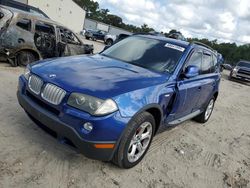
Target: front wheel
204, 117
135, 141
25, 57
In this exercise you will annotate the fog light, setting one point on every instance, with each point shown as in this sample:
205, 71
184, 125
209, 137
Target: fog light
88, 126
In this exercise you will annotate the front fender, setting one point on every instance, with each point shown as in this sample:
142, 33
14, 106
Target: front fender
140, 100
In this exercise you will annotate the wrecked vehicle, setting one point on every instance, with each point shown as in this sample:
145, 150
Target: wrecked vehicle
26, 37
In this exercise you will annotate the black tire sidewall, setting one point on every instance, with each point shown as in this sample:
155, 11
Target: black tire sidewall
109, 42
129, 133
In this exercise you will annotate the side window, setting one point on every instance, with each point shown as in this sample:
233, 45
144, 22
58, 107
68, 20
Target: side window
206, 64
24, 24
214, 64
69, 37
195, 60
44, 28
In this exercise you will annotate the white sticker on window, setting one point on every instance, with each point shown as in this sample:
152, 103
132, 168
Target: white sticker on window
168, 45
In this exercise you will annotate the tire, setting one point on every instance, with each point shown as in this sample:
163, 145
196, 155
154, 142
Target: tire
230, 76
204, 116
221, 69
133, 147
87, 38
25, 57
109, 42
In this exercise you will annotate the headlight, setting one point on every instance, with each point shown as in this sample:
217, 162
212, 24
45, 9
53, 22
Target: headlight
27, 73
235, 69
92, 105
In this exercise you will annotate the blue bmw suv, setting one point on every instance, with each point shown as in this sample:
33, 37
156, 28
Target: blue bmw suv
111, 105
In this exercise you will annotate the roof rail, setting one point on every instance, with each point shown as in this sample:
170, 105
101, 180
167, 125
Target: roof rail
202, 44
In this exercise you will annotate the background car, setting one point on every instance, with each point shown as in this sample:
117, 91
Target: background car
177, 36
226, 66
82, 32
241, 71
109, 39
95, 34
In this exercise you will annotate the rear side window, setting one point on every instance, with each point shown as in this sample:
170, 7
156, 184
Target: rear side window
215, 64
24, 24
206, 64
195, 60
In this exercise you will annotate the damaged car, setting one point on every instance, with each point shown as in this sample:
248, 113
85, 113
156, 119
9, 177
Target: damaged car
26, 37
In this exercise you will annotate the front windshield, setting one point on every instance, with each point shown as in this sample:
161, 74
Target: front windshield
153, 54
244, 64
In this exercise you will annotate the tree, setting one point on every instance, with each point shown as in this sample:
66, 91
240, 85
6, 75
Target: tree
146, 29
114, 20
88, 5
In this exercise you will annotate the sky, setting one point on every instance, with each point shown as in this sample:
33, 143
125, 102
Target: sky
225, 20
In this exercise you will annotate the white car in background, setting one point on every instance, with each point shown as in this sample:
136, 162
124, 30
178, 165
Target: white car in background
109, 39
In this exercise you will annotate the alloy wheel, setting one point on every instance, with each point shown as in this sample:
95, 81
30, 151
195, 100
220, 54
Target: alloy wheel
140, 142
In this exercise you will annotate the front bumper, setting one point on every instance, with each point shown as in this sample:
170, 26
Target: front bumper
240, 76
65, 130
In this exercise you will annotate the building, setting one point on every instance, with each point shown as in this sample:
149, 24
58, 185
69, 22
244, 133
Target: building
93, 24
66, 12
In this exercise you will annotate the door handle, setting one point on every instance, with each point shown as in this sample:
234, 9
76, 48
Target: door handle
199, 88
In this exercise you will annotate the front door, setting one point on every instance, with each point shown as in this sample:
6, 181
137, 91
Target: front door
188, 90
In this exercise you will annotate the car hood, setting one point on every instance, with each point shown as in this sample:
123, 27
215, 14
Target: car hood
243, 68
96, 75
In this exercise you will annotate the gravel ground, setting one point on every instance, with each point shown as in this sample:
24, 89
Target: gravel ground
216, 154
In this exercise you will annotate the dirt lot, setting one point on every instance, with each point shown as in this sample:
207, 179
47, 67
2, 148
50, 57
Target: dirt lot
216, 154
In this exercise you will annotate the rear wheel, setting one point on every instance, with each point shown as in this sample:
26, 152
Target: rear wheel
109, 42
204, 117
135, 141
25, 57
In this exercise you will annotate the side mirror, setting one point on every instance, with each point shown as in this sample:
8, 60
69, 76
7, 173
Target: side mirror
191, 71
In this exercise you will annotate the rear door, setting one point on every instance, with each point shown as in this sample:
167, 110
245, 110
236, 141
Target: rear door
208, 78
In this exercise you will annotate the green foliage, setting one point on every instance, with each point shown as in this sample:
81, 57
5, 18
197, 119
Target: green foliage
230, 51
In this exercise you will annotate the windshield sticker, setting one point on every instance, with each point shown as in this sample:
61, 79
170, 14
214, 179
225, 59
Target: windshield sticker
168, 45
